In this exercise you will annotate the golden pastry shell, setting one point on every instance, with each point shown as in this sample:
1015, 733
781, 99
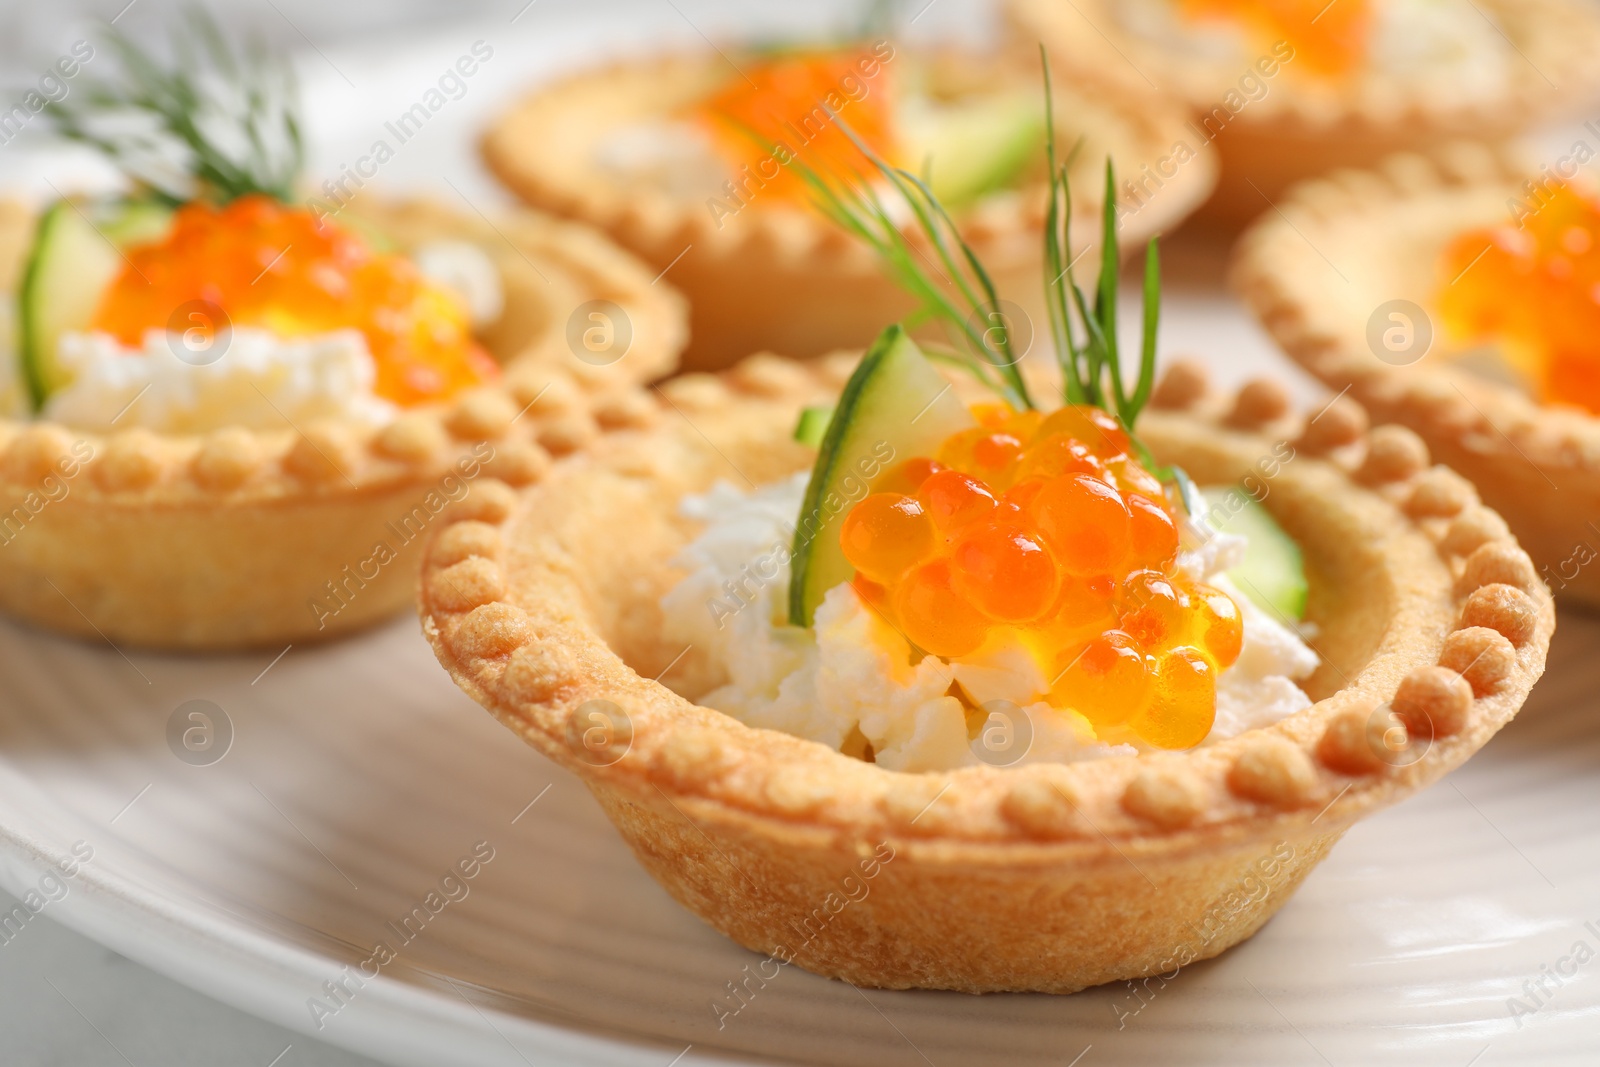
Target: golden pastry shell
781, 276
1384, 231
1039, 877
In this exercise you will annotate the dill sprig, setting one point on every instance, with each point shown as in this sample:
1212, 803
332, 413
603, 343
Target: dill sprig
983, 331
877, 18
1086, 365
1083, 333
216, 124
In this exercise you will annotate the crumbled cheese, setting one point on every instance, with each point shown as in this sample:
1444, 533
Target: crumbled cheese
676, 155
258, 381
1259, 689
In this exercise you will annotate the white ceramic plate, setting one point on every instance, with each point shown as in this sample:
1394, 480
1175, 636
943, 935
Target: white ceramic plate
357, 777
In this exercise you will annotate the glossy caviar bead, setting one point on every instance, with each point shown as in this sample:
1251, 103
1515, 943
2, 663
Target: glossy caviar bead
1085, 523
1184, 703
955, 452
1083, 609
1020, 496
992, 416
1128, 475
985, 453
1222, 628
1154, 534
998, 452
1058, 454
1154, 610
1024, 424
933, 616
908, 477
886, 535
1004, 572
953, 499
1096, 428
1107, 681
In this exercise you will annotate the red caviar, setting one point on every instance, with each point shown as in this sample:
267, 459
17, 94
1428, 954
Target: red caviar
788, 104
1329, 39
1071, 544
1537, 290
267, 264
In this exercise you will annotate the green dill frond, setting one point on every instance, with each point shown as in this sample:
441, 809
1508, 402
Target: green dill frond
878, 18
1087, 363
972, 315
952, 286
216, 124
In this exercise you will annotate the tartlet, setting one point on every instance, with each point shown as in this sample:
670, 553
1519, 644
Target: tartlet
544, 608
777, 275
233, 538
1279, 127
1385, 232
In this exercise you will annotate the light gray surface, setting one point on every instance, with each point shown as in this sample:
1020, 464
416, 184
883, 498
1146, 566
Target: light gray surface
67, 1002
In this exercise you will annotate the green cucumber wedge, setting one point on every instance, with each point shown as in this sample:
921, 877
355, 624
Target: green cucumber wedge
812, 426
72, 262
130, 223
974, 147
1273, 573
894, 407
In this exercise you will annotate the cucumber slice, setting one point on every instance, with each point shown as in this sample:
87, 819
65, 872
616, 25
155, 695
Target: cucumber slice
895, 406
1273, 573
973, 147
136, 223
72, 262
812, 425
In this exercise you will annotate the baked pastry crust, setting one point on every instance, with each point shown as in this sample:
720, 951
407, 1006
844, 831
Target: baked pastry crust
1037, 877
780, 276
1385, 231
232, 539
1295, 131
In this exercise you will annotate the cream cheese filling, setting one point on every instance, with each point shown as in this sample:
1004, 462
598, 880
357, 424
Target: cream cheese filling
244, 377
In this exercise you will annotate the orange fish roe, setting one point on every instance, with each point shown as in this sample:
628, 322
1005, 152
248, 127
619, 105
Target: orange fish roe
269, 265
1537, 290
1329, 39
1048, 528
780, 107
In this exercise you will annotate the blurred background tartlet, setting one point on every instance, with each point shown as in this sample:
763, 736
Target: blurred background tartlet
680, 159
1289, 90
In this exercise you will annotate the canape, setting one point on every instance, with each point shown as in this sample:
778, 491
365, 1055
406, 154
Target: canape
1431, 629
1453, 295
991, 695
1287, 91
686, 160
232, 417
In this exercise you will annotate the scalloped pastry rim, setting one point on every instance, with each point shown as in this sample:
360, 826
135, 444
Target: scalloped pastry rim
527, 669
